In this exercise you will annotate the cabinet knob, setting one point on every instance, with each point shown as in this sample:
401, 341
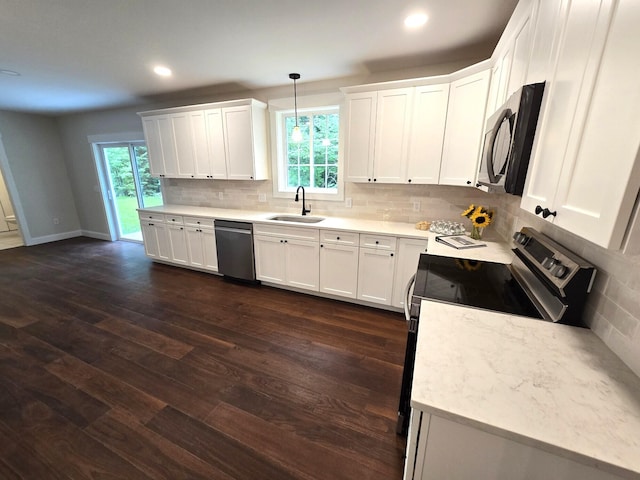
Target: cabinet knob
337, 238
285, 241
251, 178
468, 182
281, 241
409, 180
538, 209
392, 254
321, 245
151, 224
375, 179
546, 212
377, 242
369, 180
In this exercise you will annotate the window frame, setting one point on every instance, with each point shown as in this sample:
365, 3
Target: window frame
278, 110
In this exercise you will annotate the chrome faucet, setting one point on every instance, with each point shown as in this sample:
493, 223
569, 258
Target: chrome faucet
304, 209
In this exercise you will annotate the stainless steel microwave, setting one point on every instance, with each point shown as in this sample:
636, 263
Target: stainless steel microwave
508, 140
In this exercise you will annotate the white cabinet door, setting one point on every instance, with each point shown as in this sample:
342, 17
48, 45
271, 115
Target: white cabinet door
359, 138
302, 264
463, 133
245, 142
182, 133
194, 246
599, 180
521, 48
215, 141
168, 145
393, 120
375, 275
339, 270
270, 259
409, 250
201, 157
564, 114
154, 145
210, 260
429, 118
178, 243
156, 240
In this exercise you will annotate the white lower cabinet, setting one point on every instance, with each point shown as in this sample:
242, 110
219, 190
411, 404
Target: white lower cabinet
375, 275
283, 259
409, 250
201, 246
178, 244
439, 448
339, 269
156, 240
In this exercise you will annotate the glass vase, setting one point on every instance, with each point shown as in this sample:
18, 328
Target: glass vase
476, 232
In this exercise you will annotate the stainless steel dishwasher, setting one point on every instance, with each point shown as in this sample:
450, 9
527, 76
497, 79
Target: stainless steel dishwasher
234, 244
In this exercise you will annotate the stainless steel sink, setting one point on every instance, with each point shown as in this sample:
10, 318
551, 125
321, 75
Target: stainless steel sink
296, 219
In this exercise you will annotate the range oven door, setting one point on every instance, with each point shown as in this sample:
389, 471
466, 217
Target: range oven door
412, 313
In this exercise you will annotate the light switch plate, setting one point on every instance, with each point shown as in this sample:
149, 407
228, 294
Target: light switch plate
262, 197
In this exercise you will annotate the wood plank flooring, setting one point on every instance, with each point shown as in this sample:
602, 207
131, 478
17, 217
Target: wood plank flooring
114, 367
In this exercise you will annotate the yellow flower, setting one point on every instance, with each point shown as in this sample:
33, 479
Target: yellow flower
480, 218
469, 210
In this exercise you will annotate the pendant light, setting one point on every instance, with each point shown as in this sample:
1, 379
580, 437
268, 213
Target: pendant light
296, 135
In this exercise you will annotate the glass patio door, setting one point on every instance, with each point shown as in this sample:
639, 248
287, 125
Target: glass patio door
131, 185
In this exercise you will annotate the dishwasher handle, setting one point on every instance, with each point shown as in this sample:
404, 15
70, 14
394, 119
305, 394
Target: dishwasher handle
233, 230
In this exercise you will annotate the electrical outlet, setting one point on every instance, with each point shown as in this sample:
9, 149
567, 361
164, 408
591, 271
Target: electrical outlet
220, 195
262, 197
416, 206
56, 220
348, 202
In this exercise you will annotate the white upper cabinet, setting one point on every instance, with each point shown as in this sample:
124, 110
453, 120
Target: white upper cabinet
393, 118
360, 135
225, 140
583, 176
427, 133
464, 129
395, 135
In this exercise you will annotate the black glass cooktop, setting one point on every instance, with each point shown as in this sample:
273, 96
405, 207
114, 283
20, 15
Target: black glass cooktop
472, 283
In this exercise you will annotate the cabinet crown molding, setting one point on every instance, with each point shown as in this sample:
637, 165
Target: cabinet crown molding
204, 106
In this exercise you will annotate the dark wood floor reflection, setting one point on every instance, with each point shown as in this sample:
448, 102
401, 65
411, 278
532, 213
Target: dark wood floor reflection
114, 367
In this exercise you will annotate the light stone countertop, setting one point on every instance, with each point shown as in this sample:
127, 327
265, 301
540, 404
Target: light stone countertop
555, 387
495, 251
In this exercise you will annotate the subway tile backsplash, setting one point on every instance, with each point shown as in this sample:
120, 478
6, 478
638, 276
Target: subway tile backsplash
613, 308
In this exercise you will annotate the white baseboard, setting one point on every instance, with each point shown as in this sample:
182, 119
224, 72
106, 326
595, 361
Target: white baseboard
98, 235
53, 238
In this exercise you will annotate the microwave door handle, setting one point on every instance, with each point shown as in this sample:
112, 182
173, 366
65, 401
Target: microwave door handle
506, 114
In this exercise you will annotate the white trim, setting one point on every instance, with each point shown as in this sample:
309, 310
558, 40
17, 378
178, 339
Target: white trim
103, 182
123, 137
277, 108
54, 237
98, 235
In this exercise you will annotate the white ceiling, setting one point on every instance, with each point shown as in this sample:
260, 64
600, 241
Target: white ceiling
78, 55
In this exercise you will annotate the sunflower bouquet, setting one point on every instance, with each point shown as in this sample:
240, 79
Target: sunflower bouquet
480, 218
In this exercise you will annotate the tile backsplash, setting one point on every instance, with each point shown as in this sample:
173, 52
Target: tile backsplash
613, 307
372, 202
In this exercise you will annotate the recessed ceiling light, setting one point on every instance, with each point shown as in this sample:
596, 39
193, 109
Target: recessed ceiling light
162, 71
11, 73
415, 20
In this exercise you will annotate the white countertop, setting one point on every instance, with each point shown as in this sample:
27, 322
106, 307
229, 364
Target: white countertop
495, 251
555, 387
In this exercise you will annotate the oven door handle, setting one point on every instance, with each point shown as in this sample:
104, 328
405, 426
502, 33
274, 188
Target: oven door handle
408, 293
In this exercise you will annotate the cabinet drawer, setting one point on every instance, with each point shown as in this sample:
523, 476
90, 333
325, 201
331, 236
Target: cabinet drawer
198, 222
173, 219
339, 238
156, 217
286, 232
380, 242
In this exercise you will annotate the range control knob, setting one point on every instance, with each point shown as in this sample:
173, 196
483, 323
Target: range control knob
520, 238
558, 270
548, 262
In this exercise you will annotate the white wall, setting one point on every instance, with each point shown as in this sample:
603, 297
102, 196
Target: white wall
37, 168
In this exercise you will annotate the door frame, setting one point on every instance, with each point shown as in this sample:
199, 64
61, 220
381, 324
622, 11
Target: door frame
104, 185
14, 197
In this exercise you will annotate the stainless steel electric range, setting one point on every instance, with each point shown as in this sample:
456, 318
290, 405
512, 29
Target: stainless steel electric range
545, 281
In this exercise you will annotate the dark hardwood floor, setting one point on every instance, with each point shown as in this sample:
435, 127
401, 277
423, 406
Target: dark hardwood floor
112, 366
